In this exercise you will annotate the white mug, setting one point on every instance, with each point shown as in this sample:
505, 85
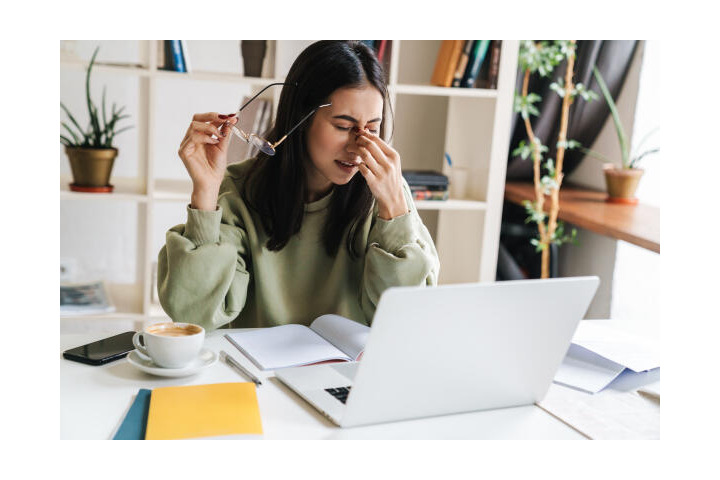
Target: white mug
170, 345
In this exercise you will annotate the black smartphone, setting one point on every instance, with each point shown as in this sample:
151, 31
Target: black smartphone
103, 351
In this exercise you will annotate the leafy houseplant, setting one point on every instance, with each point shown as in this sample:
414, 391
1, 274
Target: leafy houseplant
542, 58
90, 150
621, 182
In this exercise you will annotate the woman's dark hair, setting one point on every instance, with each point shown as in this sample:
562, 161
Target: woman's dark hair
276, 187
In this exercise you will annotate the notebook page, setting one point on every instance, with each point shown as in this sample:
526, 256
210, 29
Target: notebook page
284, 346
347, 335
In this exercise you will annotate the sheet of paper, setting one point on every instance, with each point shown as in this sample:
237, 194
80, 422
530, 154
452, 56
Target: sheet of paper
284, 346
634, 352
586, 370
348, 335
609, 415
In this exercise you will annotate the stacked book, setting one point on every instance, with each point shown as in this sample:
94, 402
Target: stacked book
467, 64
219, 410
427, 184
173, 55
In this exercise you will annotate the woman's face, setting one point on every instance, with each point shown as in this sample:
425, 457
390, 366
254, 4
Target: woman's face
331, 140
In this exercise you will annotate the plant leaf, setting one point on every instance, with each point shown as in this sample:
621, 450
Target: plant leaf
616, 118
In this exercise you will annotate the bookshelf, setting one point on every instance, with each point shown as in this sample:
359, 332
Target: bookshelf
472, 125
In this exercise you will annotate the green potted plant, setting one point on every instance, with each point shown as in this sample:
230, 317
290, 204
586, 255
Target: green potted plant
622, 180
90, 151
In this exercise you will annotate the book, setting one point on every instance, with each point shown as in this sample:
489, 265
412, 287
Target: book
197, 411
446, 62
177, 57
84, 298
463, 62
420, 193
328, 338
135, 421
168, 63
478, 55
382, 44
425, 178
186, 55
494, 64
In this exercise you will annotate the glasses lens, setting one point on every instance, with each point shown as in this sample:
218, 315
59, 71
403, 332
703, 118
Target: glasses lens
262, 144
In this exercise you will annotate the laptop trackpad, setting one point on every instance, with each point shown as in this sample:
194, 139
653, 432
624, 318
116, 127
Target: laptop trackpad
347, 370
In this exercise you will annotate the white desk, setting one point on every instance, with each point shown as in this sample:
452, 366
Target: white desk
94, 399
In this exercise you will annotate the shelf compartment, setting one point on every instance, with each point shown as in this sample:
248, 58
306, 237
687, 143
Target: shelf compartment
427, 89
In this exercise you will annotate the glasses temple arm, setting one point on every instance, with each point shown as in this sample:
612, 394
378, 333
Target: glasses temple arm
261, 91
299, 123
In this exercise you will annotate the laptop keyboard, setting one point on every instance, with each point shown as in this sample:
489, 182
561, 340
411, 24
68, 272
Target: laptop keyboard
339, 393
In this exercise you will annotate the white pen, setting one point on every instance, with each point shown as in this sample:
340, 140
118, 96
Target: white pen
234, 364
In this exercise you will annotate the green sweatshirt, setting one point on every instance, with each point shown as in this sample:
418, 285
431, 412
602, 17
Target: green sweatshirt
215, 269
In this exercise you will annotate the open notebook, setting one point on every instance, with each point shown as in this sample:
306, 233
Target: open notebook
329, 337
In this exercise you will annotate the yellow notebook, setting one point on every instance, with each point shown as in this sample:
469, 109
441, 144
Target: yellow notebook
196, 411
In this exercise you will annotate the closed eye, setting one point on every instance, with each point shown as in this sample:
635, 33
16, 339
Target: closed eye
347, 129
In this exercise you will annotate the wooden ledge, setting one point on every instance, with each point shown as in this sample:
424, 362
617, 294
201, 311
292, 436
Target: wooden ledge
637, 224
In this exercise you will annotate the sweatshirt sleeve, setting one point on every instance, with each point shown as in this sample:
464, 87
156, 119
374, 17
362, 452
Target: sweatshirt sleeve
400, 252
203, 273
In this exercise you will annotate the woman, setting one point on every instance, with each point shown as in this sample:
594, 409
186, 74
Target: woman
325, 225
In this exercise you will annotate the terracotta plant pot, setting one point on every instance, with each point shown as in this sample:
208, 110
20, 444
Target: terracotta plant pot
622, 183
91, 167
253, 54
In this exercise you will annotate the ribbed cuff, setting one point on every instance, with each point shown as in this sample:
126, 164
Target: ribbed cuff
391, 235
203, 226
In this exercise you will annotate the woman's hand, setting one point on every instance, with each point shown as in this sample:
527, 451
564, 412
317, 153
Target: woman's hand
205, 157
382, 171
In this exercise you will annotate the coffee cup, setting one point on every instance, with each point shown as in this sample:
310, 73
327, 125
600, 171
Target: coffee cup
170, 345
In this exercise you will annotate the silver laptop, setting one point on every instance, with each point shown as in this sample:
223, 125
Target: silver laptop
451, 349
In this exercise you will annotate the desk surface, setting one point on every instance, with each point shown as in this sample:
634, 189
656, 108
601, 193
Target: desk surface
636, 224
94, 399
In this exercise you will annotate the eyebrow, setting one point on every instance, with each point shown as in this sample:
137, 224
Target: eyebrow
351, 119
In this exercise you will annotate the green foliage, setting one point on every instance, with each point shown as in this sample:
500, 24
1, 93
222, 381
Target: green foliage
541, 58
524, 149
95, 135
628, 159
534, 214
578, 89
524, 105
558, 238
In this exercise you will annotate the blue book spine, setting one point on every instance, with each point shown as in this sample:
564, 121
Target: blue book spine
178, 60
133, 426
473, 68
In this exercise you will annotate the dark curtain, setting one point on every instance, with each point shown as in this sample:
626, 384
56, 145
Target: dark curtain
612, 58
517, 258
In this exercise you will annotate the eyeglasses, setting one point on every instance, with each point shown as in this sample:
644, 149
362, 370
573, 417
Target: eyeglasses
262, 144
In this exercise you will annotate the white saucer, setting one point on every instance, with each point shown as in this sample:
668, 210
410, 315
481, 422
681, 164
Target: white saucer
204, 359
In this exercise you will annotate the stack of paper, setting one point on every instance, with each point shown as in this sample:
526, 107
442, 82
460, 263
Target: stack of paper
600, 354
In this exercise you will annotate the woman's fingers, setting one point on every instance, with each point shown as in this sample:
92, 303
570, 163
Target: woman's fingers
365, 171
388, 151
369, 161
377, 154
200, 127
214, 117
